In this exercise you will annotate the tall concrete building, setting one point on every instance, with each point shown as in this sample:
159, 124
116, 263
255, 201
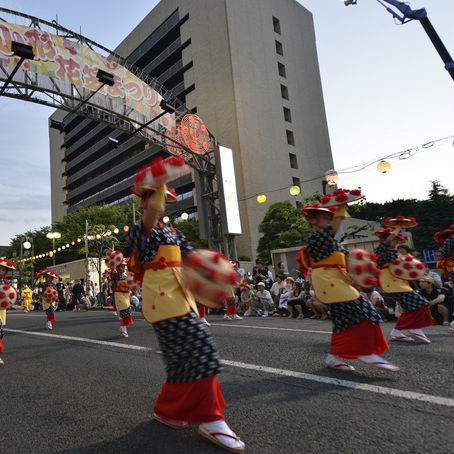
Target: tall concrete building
249, 69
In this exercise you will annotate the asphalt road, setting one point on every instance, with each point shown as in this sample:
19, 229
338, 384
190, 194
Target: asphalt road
73, 394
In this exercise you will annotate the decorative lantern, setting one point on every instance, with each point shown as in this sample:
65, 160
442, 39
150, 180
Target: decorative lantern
261, 198
295, 190
166, 219
331, 177
184, 216
383, 166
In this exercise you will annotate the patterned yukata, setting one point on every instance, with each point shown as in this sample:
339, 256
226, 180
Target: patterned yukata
410, 300
120, 287
50, 309
320, 245
447, 254
191, 392
356, 329
2, 349
416, 312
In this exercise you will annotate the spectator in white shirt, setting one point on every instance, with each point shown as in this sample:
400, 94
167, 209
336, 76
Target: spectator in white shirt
262, 300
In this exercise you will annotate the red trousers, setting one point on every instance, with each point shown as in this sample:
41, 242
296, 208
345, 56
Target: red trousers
202, 310
362, 339
231, 310
2, 349
420, 318
51, 318
195, 402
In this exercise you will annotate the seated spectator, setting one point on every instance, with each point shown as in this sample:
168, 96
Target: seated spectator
135, 303
262, 301
378, 302
296, 301
260, 273
289, 283
245, 299
84, 303
403, 250
435, 276
318, 309
277, 288
440, 308
282, 270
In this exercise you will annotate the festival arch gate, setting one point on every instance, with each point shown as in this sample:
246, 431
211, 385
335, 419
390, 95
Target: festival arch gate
48, 64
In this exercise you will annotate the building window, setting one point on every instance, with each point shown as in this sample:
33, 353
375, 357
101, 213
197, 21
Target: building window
281, 69
287, 114
279, 48
296, 182
290, 137
284, 91
293, 161
276, 25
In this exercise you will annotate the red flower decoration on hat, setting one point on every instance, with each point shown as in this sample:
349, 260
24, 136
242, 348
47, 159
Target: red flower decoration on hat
355, 192
326, 198
341, 197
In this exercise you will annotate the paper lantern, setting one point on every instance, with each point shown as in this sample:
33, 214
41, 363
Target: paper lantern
383, 166
261, 198
295, 190
331, 177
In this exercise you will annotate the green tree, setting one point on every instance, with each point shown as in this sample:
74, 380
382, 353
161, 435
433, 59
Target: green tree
283, 226
433, 214
190, 230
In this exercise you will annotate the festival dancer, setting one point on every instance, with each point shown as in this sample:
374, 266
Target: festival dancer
191, 393
5, 266
416, 312
27, 295
49, 295
356, 330
446, 259
203, 314
121, 296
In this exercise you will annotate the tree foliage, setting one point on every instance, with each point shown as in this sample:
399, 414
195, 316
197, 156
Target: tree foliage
433, 214
283, 226
190, 229
100, 218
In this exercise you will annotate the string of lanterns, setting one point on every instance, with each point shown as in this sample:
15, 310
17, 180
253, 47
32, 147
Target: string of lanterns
73, 243
331, 176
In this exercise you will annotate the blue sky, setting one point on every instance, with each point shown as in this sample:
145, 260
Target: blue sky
384, 85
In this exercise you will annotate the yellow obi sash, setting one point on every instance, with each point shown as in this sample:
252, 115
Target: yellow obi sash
121, 295
330, 279
163, 294
392, 284
46, 304
3, 316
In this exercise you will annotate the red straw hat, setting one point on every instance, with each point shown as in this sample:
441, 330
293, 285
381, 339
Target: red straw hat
314, 207
46, 272
441, 237
384, 232
341, 197
157, 173
7, 264
400, 221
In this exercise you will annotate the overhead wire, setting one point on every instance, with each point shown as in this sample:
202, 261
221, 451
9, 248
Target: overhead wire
401, 155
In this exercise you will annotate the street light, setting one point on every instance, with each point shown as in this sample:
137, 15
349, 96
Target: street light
52, 236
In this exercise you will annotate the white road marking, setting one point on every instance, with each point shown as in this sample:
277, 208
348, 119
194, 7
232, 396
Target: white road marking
347, 384
81, 339
438, 400
271, 328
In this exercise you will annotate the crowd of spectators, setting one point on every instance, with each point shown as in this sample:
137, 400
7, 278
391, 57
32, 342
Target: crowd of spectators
285, 296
